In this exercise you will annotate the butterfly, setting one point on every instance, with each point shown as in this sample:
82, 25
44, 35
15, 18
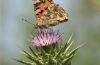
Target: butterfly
48, 14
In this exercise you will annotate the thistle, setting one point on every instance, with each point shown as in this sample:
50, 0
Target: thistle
47, 49
45, 38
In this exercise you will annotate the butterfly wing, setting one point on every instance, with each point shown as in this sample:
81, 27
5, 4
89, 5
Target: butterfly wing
56, 15
50, 14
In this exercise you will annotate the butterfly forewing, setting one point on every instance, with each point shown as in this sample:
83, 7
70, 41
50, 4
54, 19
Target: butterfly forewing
48, 14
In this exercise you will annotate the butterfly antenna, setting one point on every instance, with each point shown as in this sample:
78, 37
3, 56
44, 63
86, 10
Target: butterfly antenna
26, 21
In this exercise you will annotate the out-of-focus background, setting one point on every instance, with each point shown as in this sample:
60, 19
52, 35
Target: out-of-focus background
84, 22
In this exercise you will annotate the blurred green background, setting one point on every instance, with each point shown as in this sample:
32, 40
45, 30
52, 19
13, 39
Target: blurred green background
84, 22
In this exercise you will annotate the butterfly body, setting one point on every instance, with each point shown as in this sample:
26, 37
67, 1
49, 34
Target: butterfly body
48, 14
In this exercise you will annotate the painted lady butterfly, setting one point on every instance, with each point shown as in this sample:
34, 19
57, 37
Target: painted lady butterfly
48, 14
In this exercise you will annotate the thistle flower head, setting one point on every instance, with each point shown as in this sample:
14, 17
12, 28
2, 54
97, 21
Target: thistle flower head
45, 38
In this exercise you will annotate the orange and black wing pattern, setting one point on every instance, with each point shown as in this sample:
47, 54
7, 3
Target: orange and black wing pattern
48, 14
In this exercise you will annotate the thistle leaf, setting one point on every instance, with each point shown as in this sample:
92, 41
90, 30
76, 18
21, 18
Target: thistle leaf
65, 47
33, 52
73, 51
67, 60
33, 58
58, 54
68, 47
69, 42
70, 38
52, 61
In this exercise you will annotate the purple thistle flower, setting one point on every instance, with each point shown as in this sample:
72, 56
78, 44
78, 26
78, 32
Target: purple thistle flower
45, 38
